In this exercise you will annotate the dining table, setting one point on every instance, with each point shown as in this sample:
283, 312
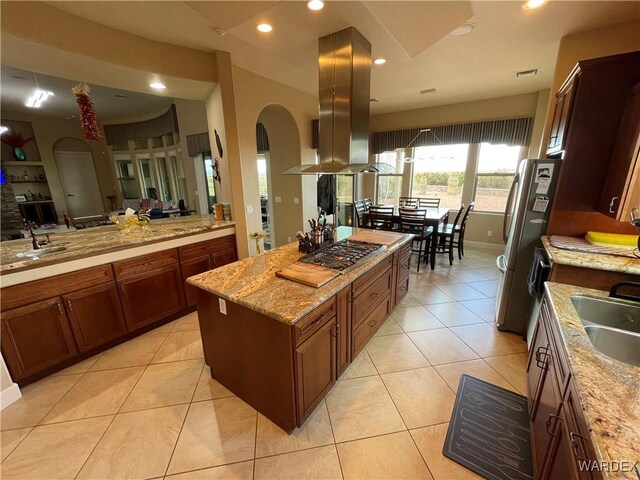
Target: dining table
433, 218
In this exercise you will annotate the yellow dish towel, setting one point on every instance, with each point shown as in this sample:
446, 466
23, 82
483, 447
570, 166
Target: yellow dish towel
611, 239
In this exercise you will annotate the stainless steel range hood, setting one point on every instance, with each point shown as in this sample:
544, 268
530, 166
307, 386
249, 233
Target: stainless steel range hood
344, 61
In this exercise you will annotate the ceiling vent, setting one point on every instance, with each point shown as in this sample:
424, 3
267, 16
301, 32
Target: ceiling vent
118, 95
527, 73
428, 90
373, 100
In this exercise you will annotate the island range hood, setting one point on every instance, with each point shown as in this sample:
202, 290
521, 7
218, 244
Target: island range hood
344, 61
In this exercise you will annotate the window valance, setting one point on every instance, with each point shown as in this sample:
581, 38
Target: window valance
513, 131
262, 139
198, 143
155, 127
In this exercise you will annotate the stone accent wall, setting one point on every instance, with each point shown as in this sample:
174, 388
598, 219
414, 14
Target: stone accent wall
10, 218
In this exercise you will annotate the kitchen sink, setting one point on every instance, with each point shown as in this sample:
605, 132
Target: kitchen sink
41, 252
613, 326
618, 344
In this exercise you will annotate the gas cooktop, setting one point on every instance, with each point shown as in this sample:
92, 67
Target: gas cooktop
342, 255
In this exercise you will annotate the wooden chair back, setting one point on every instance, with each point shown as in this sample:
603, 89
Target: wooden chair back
428, 203
412, 221
380, 217
408, 202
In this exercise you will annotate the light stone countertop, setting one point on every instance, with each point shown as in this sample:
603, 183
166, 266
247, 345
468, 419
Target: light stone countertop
100, 240
252, 282
596, 261
608, 390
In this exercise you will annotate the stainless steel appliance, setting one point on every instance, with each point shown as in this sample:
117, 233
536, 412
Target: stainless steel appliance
342, 255
526, 215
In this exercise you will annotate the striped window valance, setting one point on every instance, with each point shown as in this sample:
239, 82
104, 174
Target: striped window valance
513, 131
262, 139
198, 143
165, 123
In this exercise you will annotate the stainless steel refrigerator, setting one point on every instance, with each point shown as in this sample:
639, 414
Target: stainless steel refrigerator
526, 215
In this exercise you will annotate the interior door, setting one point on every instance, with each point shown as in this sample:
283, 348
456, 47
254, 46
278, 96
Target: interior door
79, 183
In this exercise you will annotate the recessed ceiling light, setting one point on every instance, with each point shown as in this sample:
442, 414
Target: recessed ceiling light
264, 28
157, 85
461, 30
315, 5
38, 98
221, 32
379, 61
531, 4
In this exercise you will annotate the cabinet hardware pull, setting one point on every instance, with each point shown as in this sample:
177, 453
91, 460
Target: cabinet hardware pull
335, 330
315, 322
60, 308
575, 444
374, 295
612, 205
555, 424
122, 289
373, 323
70, 305
542, 354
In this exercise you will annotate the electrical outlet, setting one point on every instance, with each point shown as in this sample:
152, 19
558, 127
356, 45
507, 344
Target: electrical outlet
249, 208
278, 199
489, 233
296, 200
223, 306
289, 239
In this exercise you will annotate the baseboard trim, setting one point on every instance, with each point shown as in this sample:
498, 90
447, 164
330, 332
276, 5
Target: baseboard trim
489, 246
9, 395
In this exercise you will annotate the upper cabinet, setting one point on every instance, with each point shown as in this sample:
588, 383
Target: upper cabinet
561, 112
621, 191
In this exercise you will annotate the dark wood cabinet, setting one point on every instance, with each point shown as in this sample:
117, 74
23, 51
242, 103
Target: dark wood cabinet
621, 190
95, 315
561, 112
190, 268
36, 337
224, 257
151, 295
315, 365
559, 434
401, 266
343, 314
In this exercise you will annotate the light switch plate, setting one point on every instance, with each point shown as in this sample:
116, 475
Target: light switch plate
249, 208
223, 306
278, 199
296, 200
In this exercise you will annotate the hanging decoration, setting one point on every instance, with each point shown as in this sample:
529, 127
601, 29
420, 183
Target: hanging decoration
16, 141
216, 167
88, 118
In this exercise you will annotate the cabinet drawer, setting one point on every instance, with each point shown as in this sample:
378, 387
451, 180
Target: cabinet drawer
371, 297
404, 262
31, 292
369, 326
207, 247
145, 263
360, 284
310, 323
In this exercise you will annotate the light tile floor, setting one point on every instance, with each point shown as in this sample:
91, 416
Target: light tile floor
149, 408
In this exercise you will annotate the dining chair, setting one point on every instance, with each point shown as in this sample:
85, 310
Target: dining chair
446, 238
412, 221
460, 229
360, 210
380, 217
367, 203
408, 202
428, 202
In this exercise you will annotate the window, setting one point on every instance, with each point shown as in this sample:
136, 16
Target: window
126, 177
438, 172
165, 181
175, 163
497, 165
262, 175
389, 187
210, 182
147, 177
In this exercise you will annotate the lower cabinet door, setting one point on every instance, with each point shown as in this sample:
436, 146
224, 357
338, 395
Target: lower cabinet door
560, 462
191, 268
224, 257
36, 337
315, 363
151, 296
95, 315
402, 288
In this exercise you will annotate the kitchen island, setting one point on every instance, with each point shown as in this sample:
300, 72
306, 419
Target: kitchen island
281, 345
105, 287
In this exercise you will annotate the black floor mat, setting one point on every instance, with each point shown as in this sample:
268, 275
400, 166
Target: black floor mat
489, 431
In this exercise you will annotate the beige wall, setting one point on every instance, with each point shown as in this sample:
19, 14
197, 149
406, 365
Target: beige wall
253, 94
5, 378
48, 131
611, 40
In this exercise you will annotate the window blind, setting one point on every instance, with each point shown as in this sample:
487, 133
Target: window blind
513, 131
165, 123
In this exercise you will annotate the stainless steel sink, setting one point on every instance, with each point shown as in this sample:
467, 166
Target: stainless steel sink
622, 346
41, 252
608, 312
613, 326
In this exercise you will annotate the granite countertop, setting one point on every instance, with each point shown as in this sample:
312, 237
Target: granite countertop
608, 390
596, 261
252, 282
96, 241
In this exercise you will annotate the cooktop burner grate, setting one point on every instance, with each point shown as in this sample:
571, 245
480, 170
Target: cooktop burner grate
341, 255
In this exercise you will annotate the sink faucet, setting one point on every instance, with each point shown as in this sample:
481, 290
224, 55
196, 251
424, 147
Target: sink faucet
37, 244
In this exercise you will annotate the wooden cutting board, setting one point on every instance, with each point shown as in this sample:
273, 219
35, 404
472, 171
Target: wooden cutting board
377, 236
308, 274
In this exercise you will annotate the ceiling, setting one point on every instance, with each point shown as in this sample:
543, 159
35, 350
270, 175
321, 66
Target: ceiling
412, 36
17, 85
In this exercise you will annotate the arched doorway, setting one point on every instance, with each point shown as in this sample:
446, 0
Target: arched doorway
74, 161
